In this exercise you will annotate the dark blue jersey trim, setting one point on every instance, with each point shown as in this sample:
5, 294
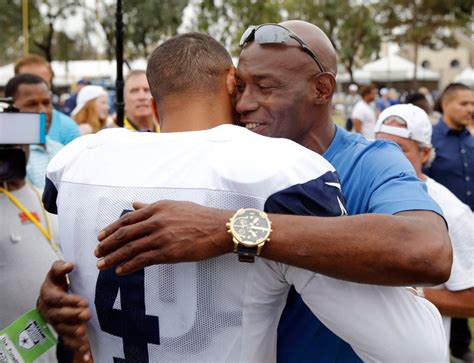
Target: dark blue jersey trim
50, 195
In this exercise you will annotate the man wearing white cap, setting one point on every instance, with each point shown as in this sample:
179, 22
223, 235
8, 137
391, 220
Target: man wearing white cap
410, 127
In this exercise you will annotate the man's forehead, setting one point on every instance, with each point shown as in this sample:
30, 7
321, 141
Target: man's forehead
138, 80
458, 95
37, 89
272, 58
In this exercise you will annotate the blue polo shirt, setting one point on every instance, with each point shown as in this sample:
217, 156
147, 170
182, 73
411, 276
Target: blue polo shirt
454, 163
63, 129
376, 178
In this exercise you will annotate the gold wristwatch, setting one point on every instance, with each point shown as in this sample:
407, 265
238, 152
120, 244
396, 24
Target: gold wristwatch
250, 229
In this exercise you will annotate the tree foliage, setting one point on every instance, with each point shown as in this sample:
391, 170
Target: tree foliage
351, 28
227, 20
11, 33
146, 22
355, 27
423, 22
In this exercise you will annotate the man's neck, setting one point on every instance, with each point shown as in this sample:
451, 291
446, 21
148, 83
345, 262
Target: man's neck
13, 185
452, 125
321, 136
195, 115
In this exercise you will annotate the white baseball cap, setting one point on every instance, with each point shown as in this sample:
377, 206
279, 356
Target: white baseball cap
418, 125
353, 87
86, 94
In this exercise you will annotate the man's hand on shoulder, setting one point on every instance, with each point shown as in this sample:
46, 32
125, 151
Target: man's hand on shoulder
67, 313
163, 232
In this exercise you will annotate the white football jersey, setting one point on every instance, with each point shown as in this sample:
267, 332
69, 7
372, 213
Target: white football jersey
218, 310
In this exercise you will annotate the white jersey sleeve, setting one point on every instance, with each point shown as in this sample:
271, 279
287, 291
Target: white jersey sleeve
382, 324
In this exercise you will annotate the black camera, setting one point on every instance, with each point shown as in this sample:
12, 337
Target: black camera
17, 131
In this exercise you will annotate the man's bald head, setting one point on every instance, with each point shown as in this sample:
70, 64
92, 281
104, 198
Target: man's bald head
317, 41
281, 92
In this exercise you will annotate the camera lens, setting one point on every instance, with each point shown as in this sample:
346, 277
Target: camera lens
5, 168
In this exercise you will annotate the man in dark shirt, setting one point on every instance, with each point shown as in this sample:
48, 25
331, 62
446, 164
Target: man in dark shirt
454, 168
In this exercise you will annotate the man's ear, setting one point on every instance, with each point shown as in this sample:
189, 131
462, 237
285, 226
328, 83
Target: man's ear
323, 87
154, 108
230, 81
425, 155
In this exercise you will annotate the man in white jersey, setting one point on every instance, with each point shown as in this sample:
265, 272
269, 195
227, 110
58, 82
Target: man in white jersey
220, 309
410, 127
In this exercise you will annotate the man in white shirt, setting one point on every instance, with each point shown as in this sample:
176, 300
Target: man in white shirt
363, 115
410, 127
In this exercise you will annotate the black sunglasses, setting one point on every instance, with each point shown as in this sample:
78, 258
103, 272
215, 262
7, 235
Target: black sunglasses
276, 34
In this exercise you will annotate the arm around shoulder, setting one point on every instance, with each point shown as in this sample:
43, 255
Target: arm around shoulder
405, 249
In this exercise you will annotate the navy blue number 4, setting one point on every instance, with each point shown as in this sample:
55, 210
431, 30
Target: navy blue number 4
130, 322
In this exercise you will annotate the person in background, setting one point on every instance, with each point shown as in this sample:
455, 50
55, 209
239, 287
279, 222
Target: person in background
393, 97
351, 99
28, 234
138, 111
383, 101
92, 109
410, 127
453, 167
363, 116
31, 94
418, 99
429, 97
71, 102
63, 129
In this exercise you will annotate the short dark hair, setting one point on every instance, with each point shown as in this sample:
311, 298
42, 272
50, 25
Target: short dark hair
11, 88
367, 89
186, 64
452, 88
418, 99
413, 98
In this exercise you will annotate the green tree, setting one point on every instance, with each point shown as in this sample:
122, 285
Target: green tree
423, 22
43, 24
11, 34
358, 37
227, 20
351, 28
146, 22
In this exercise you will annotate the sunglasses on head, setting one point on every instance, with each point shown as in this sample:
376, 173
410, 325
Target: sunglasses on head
276, 34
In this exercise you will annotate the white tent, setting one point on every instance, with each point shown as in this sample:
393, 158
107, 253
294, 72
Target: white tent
67, 73
395, 68
360, 77
466, 77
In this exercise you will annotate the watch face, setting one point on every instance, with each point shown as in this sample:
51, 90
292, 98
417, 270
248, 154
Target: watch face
250, 227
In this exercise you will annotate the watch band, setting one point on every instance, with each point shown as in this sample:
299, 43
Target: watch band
246, 254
